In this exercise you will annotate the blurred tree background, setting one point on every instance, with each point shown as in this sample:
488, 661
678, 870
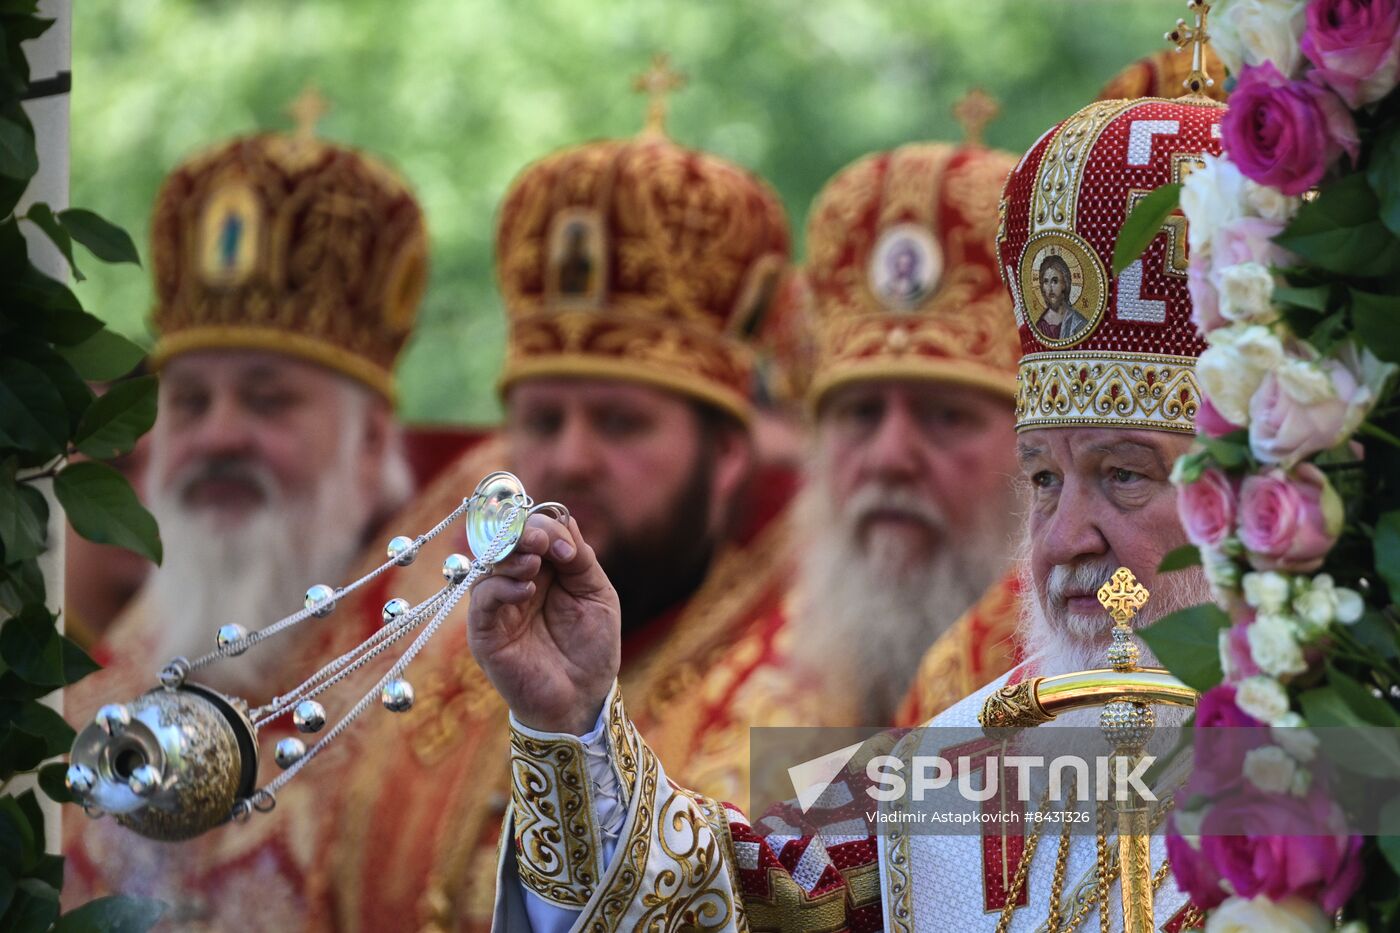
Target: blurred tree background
459, 95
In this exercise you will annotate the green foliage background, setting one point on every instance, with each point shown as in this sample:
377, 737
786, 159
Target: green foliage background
461, 94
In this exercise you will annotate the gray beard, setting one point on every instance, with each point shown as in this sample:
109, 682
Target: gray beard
864, 624
1066, 643
256, 573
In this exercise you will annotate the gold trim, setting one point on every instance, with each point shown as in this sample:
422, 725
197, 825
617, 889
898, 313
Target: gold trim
235, 337
1050, 392
558, 846
626, 369
955, 372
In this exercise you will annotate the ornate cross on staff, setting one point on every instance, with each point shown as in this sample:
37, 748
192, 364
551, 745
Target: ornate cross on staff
1195, 36
976, 109
307, 109
657, 82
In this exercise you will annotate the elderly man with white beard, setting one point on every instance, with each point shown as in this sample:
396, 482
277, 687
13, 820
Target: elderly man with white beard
910, 507
288, 273
1101, 418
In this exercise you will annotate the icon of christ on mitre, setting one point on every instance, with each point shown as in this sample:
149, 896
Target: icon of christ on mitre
598, 836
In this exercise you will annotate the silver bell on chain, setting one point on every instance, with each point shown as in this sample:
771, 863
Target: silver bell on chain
309, 716
402, 550
320, 599
397, 696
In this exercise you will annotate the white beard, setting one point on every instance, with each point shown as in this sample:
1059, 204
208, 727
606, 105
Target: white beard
1068, 642
258, 572
865, 617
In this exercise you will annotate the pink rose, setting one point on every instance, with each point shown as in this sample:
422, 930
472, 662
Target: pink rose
1250, 239
1355, 47
1207, 508
1289, 521
1302, 408
1285, 134
1282, 846
1239, 660
1205, 300
1212, 423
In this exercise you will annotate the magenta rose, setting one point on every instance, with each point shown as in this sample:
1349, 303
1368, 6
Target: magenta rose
1195, 874
1289, 521
1223, 735
1285, 134
1282, 846
1303, 408
1354, 46
1212, 423
1207, 508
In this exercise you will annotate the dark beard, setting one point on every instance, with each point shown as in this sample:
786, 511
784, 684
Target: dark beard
664, 564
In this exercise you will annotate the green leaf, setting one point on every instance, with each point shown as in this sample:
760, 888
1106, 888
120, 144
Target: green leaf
1188, 643
1384, 175
20, 751
52, 781
16, 837
49, 869
1377, 320
1314, 299
1341, 232
118, 914
33, 416
1387, 550
1188, 555
18, 157
62, 325
31, 290
102, 507
1376, 633
1328, 712
29, 806
24, 518
21, 584
115, 422
1370, 708
104, 239
32, 647
104, 356
39, 721
1143, 225
1227, 453
7, 891
1390, 845
43, 218
35, 907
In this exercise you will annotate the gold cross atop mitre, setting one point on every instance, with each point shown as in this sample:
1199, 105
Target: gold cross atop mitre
307, 109
657, 82
1194, 35
976, 109
1123, 595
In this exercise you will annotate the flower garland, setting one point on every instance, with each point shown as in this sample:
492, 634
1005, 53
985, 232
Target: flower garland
1292, 494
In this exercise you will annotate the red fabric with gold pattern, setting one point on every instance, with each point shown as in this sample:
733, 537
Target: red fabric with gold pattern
786, 341
903, 270
639, 259
1099, 350
289, 243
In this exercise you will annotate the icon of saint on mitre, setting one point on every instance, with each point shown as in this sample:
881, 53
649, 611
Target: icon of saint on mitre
1064, 291
905, 267
576, 262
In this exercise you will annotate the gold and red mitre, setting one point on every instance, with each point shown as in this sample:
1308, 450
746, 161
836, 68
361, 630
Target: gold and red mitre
1164, 73
640, 260
785, 340
1099, 350
286, 242
902, 267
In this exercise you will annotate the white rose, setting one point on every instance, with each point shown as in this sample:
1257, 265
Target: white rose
1317, 608
1246, 292
1350, 606
1222, 573
1269, 203
1270, 769
1274, 647
1293, 915
1371, 376
1188, 826
1262, 697
1267, 591
1211, 197
1302, 781
1233, 366
1248, 32
1293, 735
